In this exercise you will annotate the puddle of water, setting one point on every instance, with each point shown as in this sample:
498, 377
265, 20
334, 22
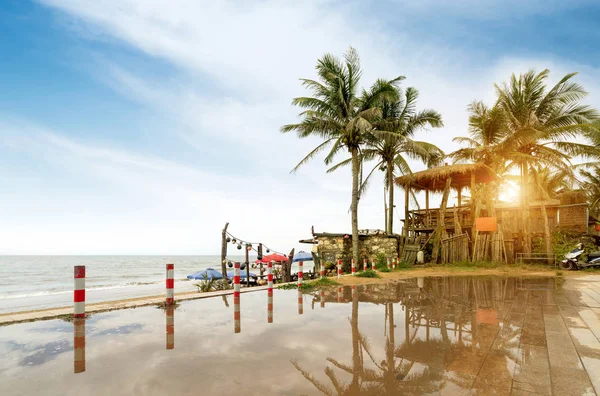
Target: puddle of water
426, 335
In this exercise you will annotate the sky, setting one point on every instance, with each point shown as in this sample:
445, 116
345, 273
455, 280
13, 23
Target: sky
142, 126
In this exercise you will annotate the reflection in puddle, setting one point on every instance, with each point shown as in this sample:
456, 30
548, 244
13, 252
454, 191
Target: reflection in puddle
79, 345
452, 335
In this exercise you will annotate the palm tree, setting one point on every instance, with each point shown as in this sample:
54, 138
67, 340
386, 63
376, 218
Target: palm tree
591, 185
392, 143
546, 184
342, 117
540, 122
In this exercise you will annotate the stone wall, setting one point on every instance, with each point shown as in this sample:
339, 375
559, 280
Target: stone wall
337, 247
573, 217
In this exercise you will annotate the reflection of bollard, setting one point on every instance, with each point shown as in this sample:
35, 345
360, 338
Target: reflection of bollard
270, 292
79, 292
365, 265
170, 284
373, 264
300, 303
339, 268
322, 298
353, 291
237, 322
353, 267
170, 315
300, 273
388, 263
340, 294
79, 345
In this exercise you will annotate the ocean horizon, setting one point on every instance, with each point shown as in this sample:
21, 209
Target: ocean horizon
31, 282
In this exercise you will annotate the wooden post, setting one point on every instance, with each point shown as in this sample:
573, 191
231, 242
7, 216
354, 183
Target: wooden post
247, 267
427, 219
286, 268
224, 251
441, 226
406, 196
459, 196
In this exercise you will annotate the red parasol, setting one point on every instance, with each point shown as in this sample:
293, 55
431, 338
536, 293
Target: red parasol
272, 257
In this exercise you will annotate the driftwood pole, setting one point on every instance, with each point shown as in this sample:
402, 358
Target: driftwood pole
441, 226
287, 267
224, 251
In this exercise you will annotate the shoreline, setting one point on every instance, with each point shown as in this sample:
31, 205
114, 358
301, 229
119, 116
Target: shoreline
385, 277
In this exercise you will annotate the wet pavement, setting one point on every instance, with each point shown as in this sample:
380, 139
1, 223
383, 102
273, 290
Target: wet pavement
445, 335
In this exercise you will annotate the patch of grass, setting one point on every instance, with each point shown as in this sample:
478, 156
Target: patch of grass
559, 273
403, 265
309, 285
163, 305
384, 269
369, 274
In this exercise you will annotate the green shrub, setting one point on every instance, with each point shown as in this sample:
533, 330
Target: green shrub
384, 269
329, 265
368, 274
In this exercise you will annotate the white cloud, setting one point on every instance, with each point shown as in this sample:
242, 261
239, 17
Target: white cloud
237, 68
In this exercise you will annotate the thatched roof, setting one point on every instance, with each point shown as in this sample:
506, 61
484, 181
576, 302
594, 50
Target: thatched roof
435, 179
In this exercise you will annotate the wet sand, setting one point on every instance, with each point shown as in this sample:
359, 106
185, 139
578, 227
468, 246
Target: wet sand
439, 335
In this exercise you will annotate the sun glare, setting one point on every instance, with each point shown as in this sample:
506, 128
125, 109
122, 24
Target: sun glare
509, 192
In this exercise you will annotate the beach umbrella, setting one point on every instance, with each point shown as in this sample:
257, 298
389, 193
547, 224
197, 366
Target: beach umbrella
206, 274
230, 274
302, 256
272, 257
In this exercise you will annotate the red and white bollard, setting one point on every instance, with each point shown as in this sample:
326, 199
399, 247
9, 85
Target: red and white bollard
170, 284
322, 270
270, 292
170, 328
339, 268
394, 263
364, 264
353, 267
300, 273
79, 345
322, 295
340, 295
373, 264
79, 292
388, 263
237, 322
300, 303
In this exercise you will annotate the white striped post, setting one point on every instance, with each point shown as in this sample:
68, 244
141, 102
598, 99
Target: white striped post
373, 264
300, 273
394, 263
388, 263
364, 264
340, 294
322, 270
270, 292
79, 292
353, 267
322, 295
170, 327
237, 322
79, 345
170, 284
300, 303
339, 268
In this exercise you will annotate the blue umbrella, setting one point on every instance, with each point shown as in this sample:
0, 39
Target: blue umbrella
302, 256
206, 274
242, 274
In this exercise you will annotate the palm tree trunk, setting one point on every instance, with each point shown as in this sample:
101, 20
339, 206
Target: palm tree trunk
354, 204
390, 216
525, 207
547, 232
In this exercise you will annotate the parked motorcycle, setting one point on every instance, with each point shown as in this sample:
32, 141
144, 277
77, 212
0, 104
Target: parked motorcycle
573, 259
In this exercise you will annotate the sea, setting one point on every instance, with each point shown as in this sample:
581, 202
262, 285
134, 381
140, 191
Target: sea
38, 282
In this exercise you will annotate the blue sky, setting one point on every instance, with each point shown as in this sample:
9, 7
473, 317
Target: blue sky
140, 127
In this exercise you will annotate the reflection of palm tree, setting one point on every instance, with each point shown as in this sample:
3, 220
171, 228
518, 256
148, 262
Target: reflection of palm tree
389, 379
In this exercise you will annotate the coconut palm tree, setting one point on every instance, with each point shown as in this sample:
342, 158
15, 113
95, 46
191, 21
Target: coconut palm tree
394, 143
590, 183
541, 124
546, 184
341, 115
